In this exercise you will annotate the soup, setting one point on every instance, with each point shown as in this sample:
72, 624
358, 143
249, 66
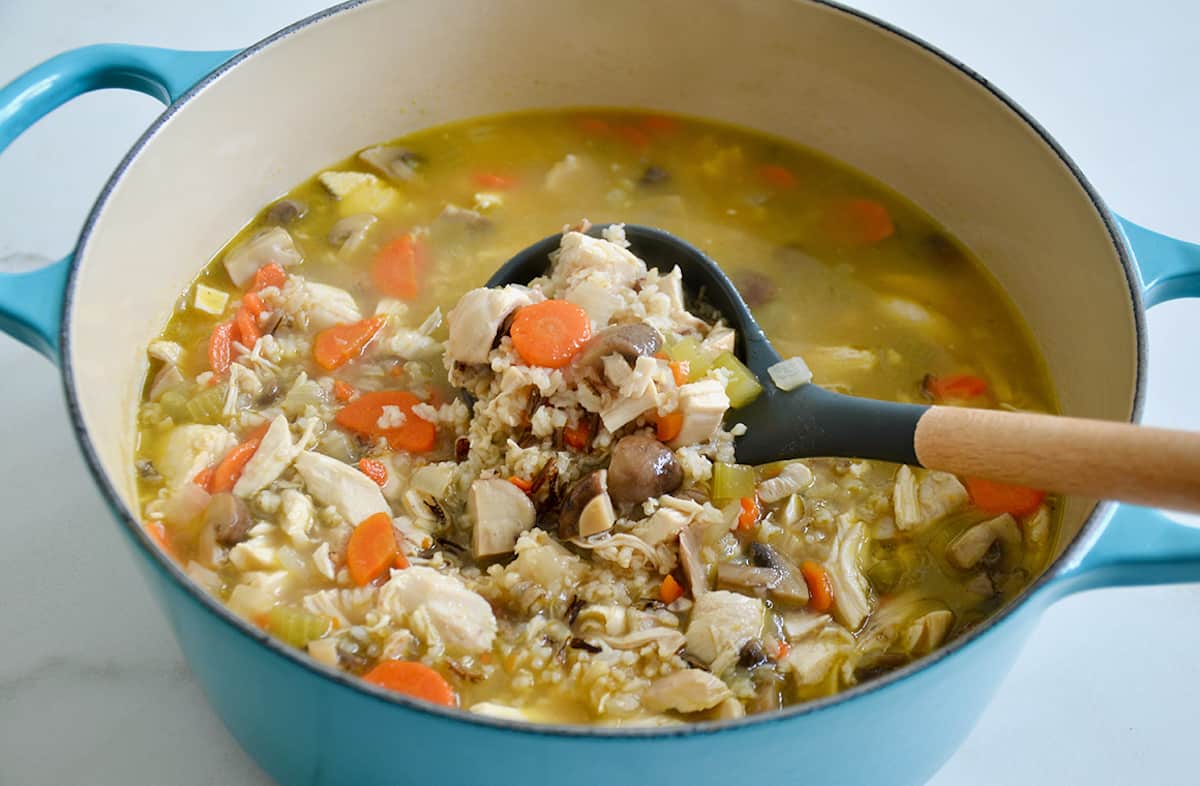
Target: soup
572, 540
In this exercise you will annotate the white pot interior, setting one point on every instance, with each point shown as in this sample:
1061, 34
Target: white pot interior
817, 75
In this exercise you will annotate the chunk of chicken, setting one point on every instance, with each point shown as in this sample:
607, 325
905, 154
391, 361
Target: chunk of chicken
970, 546
722, 622
579, 252
812, 656
928, 631
851, 603
296, 515
547, 564
355, 496
690, 690
636, 394
462, 618
908, 623
719, 339
569, 173
702, 405
275, 453
476, 319
270, 245
190, 448
599, 301
665, 524
923, 497
500, 512
320, 306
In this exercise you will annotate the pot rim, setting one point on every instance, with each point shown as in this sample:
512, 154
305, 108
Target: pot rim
1088, 533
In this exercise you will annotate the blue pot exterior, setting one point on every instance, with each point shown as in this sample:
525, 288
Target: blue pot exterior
306, 724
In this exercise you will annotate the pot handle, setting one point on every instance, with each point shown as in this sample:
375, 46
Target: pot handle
31, 302
1139, 545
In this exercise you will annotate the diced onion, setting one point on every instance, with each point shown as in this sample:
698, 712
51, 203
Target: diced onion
790, 374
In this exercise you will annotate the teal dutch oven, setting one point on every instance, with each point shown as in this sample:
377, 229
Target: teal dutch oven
241, 127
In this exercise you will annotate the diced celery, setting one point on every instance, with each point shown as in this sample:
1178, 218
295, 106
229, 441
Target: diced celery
688, 350
732, 481
208, 405
743, 386
885, 575
174, 405
296, 627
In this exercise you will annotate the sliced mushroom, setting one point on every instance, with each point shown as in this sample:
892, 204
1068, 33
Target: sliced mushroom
349, 233
229, 518
791, 587
587, 509
755, 288
653, 176
455, 216
500, 512
641, 468
168, 377
628, 341
970, 546
693, 565
395, 162
747, 579
285, 211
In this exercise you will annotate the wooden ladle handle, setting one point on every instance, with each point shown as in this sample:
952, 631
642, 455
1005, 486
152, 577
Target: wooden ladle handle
1089, 458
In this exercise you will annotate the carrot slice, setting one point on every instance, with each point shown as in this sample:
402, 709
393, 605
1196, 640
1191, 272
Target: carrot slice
670, 591
495, 181
784, 649
749, 514
633, 136
254, 303
593, 126
226, 475
413, 679
371, 549
858, 222
550, 333
680, 370
247, 327
669, 426
992, 497
375, 470
343, 391
955, 387
338, 345
521, 483
269, 275
820, 590
203, 479
397, 267
579, 436
777, 176
219, 351
660, 124
411, 433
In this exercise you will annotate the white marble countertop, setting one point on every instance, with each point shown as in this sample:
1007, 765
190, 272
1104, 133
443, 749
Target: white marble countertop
92, 686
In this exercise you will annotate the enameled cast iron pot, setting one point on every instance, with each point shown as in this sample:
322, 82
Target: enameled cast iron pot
236, 137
